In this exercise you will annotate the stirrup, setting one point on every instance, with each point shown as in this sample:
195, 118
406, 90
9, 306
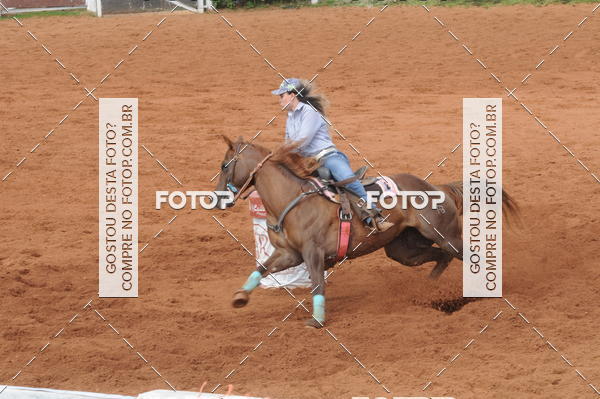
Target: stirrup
377, 220
370, 223
382, 225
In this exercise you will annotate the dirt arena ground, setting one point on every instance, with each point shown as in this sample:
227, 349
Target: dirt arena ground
396, 93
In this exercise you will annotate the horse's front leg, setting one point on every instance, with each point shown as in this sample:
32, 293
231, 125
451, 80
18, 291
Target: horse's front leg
314, 257
280, 259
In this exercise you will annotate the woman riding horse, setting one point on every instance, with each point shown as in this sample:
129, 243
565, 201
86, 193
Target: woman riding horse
305, 124
311, 230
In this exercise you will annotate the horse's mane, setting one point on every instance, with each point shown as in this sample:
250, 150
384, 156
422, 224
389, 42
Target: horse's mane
286, 157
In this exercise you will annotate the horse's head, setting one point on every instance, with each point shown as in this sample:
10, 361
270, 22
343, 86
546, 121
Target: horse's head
236, 167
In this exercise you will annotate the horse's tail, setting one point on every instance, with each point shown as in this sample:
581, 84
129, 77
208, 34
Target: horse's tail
510, 208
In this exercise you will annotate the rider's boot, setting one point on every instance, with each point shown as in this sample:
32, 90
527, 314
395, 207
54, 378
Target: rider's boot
373, 218
382, 223
378, 222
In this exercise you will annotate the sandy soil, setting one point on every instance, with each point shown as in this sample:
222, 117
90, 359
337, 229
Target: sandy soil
396, 93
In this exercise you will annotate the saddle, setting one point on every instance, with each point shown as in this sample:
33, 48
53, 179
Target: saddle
324, 174
323, 179
336, 192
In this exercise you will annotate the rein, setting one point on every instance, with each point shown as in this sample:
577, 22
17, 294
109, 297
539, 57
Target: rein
238, 192
279, 226
250, 177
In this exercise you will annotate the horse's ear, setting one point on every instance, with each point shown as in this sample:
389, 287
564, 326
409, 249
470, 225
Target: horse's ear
227, 141
240, 139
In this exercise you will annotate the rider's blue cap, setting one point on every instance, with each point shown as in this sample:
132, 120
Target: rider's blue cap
288, 85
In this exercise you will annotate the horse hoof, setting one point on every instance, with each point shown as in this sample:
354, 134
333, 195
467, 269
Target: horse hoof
240, 299
313, 323
433, 277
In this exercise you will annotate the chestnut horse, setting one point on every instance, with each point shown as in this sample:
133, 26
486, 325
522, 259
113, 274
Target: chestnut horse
310, 230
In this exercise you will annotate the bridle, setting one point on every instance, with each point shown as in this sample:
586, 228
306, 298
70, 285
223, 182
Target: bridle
228, 181
238, 192
229, 178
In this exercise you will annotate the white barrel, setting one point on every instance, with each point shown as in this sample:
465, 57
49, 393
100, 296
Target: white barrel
293, 277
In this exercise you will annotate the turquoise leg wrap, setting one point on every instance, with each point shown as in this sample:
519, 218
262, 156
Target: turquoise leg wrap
319, 308
253, 281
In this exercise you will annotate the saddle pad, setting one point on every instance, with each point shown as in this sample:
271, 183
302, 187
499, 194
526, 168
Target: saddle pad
384, 185
327, 193
381, 185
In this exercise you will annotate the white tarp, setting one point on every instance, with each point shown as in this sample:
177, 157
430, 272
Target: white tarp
13, 392
10, 392
164, 394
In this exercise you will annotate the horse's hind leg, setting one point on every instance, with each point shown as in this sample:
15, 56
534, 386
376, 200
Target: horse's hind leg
412, 249
443, 261
280, 259
445, 231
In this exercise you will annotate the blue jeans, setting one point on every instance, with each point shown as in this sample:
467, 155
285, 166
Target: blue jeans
339, 165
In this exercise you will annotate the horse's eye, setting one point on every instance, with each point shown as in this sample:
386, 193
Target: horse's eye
223, 165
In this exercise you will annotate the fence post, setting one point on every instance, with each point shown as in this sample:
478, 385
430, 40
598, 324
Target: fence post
204, 5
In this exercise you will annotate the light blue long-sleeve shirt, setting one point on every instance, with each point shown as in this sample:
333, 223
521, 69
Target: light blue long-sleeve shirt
306, 125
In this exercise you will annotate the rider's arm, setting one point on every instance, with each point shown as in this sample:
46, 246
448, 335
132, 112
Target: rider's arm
309, 125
